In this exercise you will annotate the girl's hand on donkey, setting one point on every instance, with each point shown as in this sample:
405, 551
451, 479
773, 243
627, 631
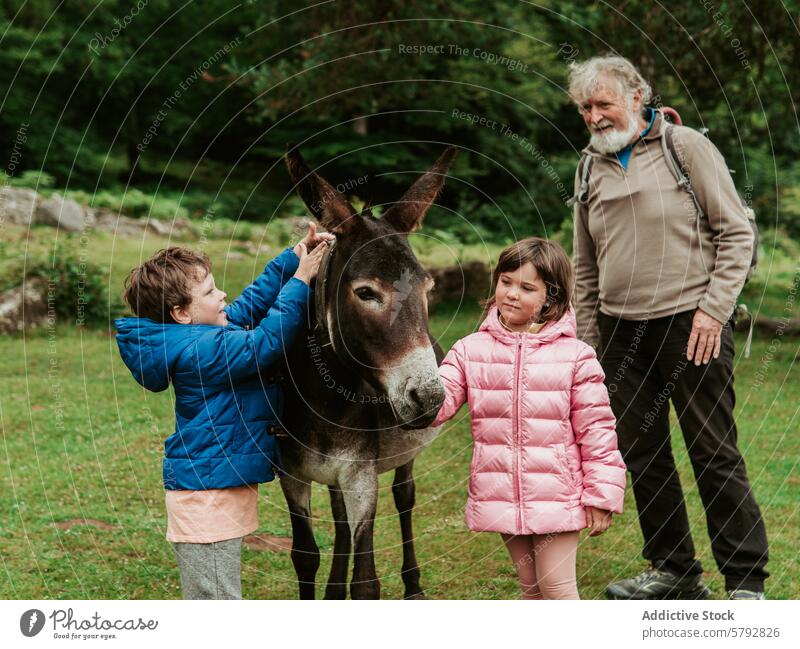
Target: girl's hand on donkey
309, 261
598, 520
312, 239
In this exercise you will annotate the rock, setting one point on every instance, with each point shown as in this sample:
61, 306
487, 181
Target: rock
116, 224
17, 205
184, 229
89, 217
175, 229
125, 226
62, 213
23, 307
256, 248
101, 218
770, 327
454, 283
129, 228
161, 228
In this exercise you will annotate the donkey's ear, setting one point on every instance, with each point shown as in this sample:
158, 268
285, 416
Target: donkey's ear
406, 214
327, 205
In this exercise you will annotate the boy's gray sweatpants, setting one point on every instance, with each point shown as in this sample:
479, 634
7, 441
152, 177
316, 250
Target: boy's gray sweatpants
210, 570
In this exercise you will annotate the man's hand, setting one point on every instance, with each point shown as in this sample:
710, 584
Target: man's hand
312, 239
598, 520
705, 339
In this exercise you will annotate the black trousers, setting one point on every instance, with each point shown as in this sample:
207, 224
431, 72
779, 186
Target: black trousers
646, 369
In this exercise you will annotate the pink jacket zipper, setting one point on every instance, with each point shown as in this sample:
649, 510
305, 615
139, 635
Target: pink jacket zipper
516, 435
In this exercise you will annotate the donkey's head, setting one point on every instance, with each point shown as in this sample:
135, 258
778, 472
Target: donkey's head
376, 291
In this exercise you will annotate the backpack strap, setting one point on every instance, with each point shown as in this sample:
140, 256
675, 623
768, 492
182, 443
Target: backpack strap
677, 166
583, 173
681, 172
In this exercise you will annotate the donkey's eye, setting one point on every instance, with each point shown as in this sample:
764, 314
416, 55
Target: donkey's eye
367, 294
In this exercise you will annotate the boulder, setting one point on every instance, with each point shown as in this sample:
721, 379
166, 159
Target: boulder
62, 213
130, 228
161, 228
257, 248
17, 205
471, 280
121, 226
176, 229
23, 307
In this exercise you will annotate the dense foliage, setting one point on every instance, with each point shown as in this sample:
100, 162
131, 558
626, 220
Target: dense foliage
199, 99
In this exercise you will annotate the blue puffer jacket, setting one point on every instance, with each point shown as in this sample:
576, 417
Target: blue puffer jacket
226, 402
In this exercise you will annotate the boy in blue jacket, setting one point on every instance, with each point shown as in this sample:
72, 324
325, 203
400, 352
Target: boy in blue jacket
219, 360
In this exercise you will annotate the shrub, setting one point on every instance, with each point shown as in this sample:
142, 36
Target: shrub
79, 288
37, 180
132, 202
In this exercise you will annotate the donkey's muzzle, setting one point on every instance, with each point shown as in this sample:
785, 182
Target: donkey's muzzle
421, 403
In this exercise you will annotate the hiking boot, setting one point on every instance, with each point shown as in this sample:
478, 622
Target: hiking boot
657, 584
742, 593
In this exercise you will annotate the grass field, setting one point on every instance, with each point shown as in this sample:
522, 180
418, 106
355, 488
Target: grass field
81, 440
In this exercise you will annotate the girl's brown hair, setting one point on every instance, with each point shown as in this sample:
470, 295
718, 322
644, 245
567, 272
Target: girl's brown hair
553, 267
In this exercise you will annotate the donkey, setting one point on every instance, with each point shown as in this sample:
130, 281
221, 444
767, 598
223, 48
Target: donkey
362, 386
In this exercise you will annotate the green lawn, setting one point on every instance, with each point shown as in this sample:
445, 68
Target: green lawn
80, 439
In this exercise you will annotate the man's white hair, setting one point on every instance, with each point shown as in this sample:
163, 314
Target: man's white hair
583, 78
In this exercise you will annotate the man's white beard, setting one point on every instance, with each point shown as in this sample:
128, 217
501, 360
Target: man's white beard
614, 140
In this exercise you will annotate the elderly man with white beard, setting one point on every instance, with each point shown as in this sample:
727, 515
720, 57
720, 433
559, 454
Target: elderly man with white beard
656, 287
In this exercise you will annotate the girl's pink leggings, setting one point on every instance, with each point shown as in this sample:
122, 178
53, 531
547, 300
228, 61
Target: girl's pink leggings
545, 564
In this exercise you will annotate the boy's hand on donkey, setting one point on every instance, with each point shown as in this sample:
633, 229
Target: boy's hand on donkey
312, 239
598, 520
309, 261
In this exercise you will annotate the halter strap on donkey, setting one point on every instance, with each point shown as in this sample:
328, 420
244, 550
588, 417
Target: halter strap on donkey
321, 331
319, 326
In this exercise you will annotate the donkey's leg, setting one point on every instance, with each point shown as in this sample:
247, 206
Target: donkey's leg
404, 490
360, 492
337, 581
305, 553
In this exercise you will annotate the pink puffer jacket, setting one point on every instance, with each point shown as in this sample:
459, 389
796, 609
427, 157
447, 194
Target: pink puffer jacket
545, 444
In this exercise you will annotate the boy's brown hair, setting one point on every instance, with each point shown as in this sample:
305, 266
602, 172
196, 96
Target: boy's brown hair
553, 267
164, 281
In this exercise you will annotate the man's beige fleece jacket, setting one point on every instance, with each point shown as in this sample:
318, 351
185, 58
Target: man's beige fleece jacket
640, 251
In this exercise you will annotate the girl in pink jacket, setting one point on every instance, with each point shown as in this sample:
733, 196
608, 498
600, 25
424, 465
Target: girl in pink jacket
545, 462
